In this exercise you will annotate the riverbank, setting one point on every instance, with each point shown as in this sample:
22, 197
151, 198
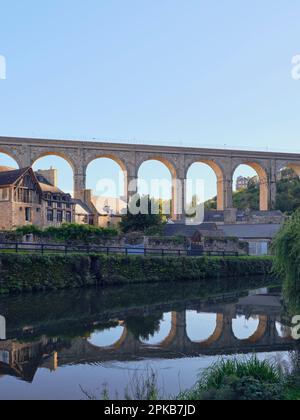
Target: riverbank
32, 272
227, 380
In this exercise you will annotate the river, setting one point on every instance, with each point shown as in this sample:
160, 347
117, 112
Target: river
55, 345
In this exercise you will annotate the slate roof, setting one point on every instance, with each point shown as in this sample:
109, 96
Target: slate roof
254, 231
242, 231
189, 230
11, 177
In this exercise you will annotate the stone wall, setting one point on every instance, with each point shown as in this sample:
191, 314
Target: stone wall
6, 215
171, 243
261, 217
12, 215
208, 244
225, 245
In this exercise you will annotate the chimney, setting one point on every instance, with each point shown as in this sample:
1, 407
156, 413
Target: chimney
51, 175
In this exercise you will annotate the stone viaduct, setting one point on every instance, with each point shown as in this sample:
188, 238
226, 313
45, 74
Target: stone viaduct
178, 160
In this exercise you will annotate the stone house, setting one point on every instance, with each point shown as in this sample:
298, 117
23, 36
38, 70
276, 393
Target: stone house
29, 198
59, 206
84, 214
21, 199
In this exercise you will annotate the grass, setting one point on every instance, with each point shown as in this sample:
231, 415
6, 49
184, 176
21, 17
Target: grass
248, 379
142, 387
238, 380
261, 371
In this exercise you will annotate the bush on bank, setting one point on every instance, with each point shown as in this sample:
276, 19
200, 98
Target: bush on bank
116, 270
33, 272
25, 273
234, 380
246, 380
286, 249
69, 232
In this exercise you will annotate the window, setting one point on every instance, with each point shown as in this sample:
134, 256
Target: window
4, 194
50, 216
59, 217
28, 214
258, 248
68, 217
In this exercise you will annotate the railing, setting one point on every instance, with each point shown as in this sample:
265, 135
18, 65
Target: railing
108, 250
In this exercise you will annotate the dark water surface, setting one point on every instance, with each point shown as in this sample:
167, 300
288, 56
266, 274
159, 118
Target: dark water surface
54, 344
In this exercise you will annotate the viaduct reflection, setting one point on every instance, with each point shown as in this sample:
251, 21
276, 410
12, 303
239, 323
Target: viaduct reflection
23, 359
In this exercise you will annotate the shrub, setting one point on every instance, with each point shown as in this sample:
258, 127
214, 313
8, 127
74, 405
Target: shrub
239, 380
71, 233
142, 222
286, 249
29, 230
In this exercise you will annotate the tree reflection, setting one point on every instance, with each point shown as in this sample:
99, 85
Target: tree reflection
144, 327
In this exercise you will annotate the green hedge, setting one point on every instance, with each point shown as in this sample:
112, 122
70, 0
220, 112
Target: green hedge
69, 232
21, 272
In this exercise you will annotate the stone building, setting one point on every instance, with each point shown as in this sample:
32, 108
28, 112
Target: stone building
21, 198
33, 198
59, 206
242, 183
84, 214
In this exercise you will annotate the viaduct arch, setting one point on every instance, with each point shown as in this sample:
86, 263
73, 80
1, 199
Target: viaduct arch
130, 157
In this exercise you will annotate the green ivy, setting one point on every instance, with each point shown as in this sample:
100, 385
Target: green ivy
26, 272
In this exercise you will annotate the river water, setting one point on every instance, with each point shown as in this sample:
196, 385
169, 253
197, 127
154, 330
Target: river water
55, 345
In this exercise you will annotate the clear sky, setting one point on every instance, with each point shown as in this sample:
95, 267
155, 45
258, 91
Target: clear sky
200, 73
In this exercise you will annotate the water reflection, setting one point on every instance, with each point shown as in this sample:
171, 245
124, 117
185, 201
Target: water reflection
200, 326
161, 332
142, 325
107, 337
244, 328
283, 331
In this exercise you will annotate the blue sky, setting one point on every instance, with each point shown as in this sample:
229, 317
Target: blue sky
154, 71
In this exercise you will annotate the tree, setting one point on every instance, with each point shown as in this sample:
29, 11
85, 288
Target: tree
143, 214
287, 199
286, 249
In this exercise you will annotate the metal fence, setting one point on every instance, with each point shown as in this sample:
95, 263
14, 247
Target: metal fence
18, 247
